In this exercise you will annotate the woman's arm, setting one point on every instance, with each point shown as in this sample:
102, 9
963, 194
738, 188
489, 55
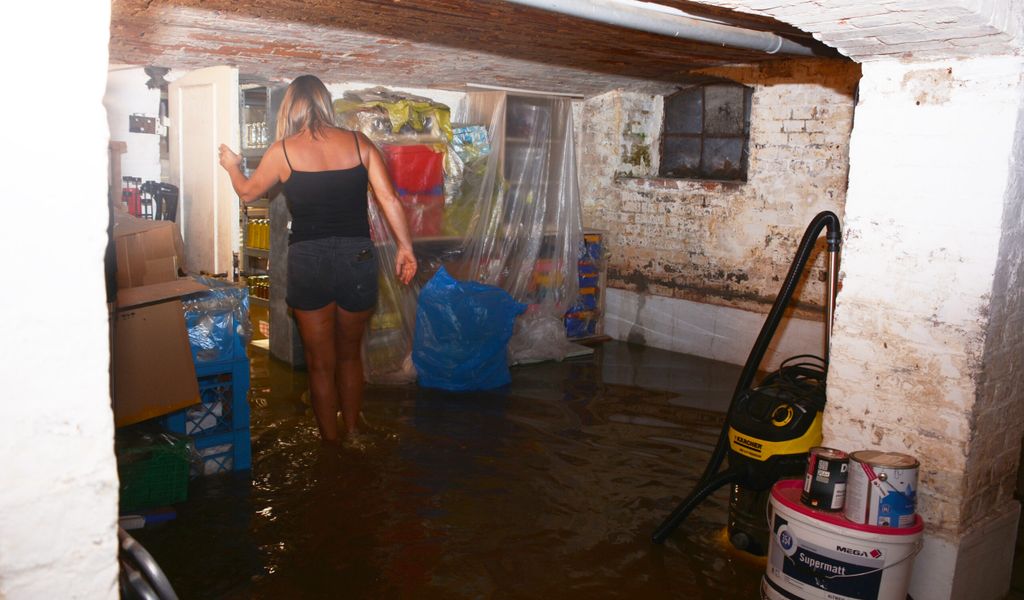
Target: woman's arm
267, 174
384, 192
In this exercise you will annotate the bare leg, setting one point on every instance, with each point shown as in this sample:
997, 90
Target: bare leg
317, 328
349, 373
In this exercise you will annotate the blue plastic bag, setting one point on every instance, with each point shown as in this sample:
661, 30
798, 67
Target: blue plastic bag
218, 321
462, 333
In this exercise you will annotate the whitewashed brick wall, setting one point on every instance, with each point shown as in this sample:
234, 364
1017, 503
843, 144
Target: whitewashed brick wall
929, 171
728, 244
928, 345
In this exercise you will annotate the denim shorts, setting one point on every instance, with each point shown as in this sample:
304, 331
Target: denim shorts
342, 270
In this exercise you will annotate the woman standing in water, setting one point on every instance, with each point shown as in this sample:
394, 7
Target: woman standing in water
332, 263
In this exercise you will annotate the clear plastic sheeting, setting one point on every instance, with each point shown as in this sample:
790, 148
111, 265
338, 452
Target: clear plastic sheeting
465, 164
503, 211
527, 235
218, 321
387, 344
540, 336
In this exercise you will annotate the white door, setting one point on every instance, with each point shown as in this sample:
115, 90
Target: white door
203, 108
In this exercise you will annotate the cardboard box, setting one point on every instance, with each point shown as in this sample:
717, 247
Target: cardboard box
152, 368
148, 252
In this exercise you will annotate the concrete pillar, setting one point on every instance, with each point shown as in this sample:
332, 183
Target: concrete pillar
928, 344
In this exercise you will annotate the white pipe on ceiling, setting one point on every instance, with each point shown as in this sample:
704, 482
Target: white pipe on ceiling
664, 20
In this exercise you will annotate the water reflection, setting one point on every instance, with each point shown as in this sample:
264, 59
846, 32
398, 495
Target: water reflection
549, 489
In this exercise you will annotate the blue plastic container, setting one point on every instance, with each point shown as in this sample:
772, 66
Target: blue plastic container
222, 452
224, 401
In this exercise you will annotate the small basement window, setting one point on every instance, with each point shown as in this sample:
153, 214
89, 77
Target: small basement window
705, 134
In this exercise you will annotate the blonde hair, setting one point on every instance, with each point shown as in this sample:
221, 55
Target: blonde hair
306, 105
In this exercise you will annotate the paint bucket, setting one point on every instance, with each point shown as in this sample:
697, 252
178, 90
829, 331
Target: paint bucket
825, 480
818, 555
881, 488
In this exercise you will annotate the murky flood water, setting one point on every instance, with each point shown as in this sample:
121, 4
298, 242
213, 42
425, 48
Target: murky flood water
549, 489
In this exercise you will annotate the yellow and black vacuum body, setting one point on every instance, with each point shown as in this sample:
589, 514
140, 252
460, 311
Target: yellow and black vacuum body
770, 427
774, 426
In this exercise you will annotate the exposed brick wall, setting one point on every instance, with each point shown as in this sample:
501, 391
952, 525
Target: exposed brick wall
998, 414
721, 243
916, 325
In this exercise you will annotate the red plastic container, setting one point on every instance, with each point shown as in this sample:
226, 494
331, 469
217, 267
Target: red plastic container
415, 168
424, 213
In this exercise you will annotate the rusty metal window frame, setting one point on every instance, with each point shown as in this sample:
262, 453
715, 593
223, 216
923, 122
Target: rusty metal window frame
702, 172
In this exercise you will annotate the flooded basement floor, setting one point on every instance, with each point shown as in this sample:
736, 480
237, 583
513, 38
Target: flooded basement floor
548, 489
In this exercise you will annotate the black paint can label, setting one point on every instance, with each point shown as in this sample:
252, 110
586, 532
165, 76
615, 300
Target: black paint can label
825, 480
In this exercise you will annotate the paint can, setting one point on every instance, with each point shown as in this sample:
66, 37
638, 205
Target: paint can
825, 479
817, 555
881, 488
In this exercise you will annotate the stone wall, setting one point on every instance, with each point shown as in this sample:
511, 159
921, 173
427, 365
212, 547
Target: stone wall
722, 243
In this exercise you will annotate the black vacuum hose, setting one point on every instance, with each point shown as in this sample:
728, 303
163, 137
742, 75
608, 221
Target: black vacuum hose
704, 489
824, 219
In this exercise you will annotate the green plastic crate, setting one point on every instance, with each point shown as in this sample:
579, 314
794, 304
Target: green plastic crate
153, 471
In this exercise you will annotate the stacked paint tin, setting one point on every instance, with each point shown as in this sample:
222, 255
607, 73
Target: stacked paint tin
825, 480
870, 487
849, 531
882, 489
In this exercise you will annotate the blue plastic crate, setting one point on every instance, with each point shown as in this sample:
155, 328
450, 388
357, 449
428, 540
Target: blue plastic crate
588, 281
578, 327
592, 246
222, 452
584, 302
223, 405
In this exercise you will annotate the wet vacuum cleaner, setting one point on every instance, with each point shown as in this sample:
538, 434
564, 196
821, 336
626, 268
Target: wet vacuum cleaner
770, 427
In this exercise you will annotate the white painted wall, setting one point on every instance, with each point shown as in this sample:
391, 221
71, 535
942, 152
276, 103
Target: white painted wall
930, 160
127, 95
58, 483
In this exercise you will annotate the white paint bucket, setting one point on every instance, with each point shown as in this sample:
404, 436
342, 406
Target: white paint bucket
818, 555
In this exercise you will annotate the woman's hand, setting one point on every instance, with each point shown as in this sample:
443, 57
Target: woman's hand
405, 265
228, 159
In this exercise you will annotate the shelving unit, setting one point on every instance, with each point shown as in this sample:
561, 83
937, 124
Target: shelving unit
256, 133
258, 104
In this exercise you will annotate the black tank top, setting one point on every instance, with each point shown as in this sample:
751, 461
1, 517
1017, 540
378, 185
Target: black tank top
328, 203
